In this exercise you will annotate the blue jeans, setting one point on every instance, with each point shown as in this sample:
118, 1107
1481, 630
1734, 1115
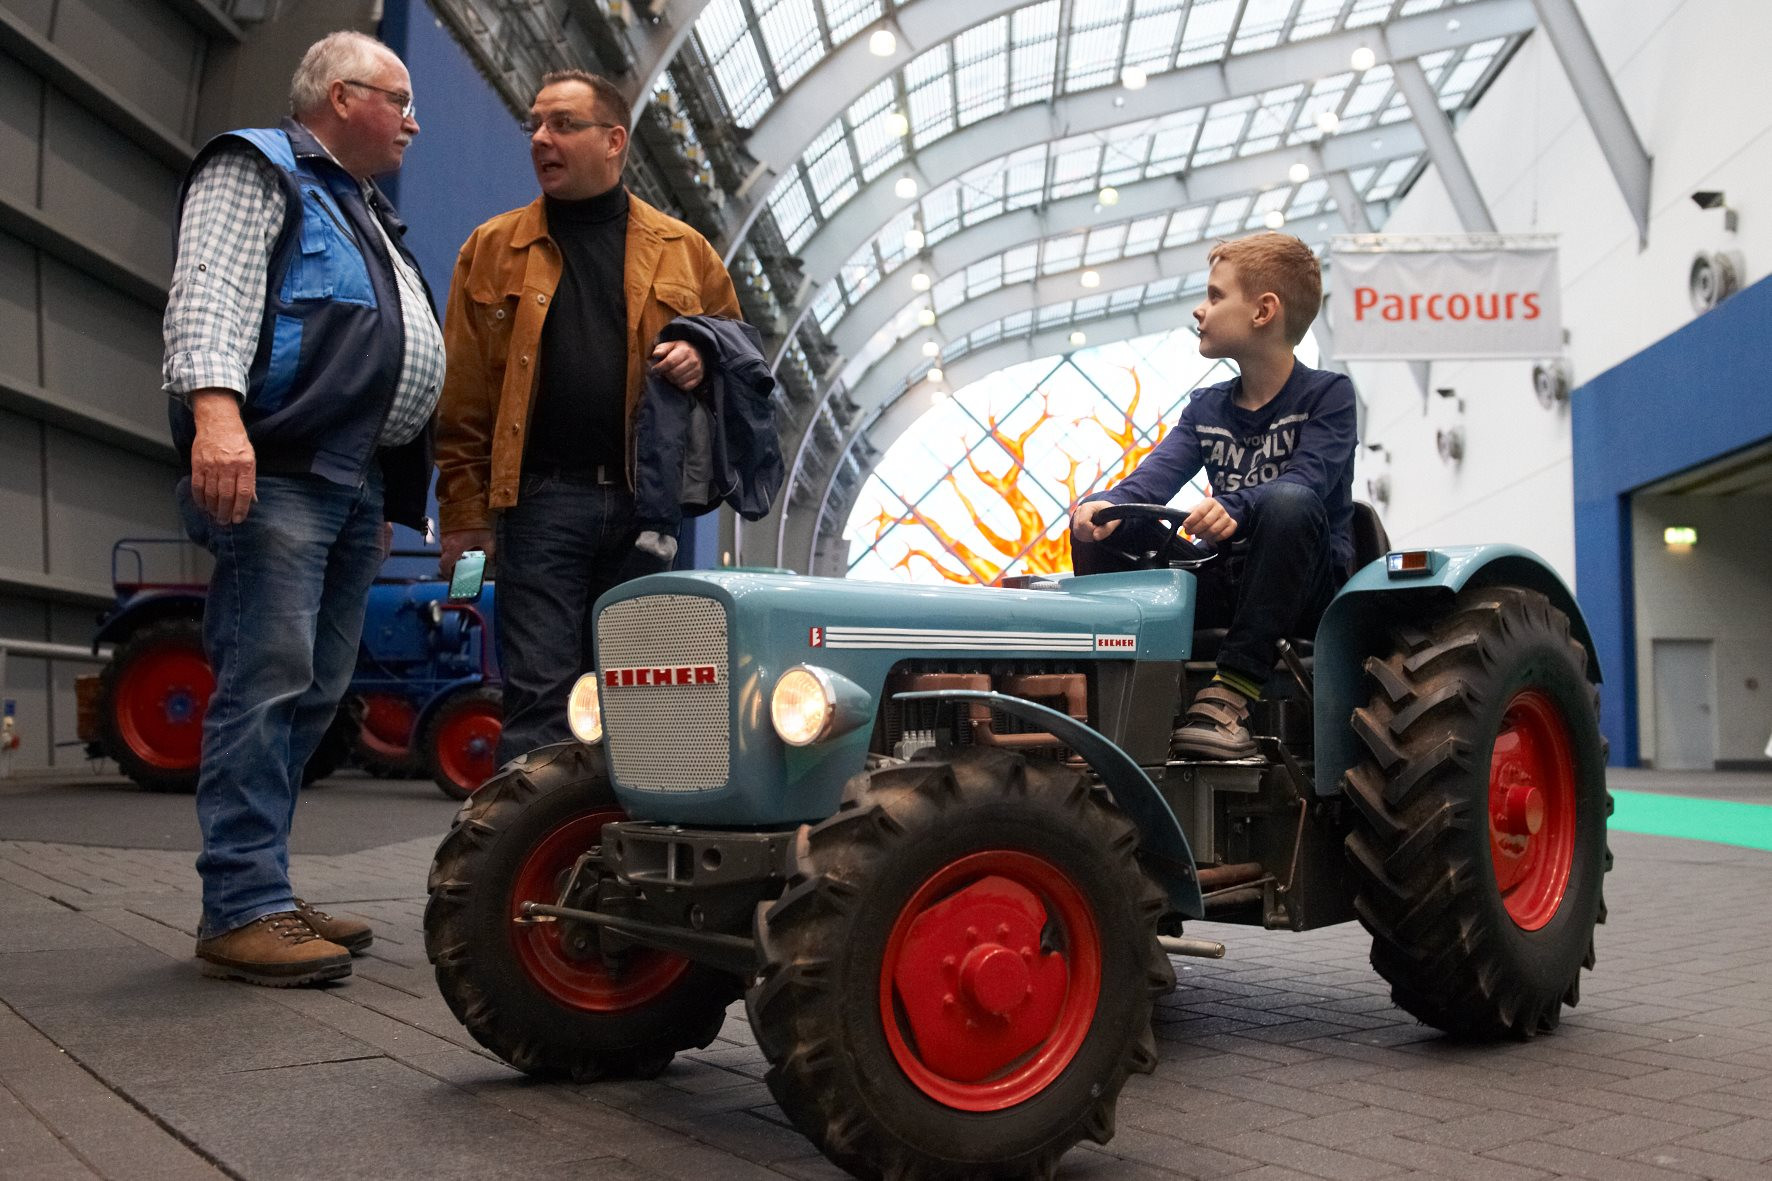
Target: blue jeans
565, 542
281, 626
1274, 581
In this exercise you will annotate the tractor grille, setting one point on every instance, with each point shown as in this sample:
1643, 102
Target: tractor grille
664, 734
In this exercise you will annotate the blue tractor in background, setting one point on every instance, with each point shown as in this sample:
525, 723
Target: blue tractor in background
935, 837
424, 699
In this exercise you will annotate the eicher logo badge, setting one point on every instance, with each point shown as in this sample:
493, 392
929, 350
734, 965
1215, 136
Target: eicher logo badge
1116, 643
650, 677
818, 637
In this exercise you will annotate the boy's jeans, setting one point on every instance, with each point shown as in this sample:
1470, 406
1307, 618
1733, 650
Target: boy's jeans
281, 626
1275, 585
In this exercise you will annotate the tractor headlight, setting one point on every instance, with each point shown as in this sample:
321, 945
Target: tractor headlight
811, 704
584, 710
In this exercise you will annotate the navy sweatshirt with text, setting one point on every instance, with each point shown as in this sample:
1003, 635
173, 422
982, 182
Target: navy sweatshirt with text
1305, 436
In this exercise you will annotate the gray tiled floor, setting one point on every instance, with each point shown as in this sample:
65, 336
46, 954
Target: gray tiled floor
1285, 1060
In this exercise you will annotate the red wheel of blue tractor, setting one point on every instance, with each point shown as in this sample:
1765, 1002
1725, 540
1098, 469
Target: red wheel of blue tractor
460, 743
152, 696
555, 999
961, 980
1479, 842
386, 745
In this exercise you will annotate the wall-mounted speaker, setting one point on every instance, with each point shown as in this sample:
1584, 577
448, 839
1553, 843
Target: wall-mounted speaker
1714, 277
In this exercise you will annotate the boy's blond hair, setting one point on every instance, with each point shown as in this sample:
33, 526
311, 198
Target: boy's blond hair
1282, 264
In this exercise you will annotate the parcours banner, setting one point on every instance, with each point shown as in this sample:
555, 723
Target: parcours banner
1444, 297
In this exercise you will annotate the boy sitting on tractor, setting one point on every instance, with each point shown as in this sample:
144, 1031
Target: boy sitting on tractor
1277, 443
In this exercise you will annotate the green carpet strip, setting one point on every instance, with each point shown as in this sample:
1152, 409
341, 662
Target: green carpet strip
1721, 821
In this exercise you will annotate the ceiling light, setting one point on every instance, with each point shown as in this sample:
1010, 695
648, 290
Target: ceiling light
1679, 537
1090, 278
1299, 173
1327, 122
1109, 195
938, 397
898, 123
1274, 219
905, 187
1133, 77
932, 348
920, 281
882, 43
914, 239
1453, 25
1078, 339
1362, 60
926, 316
934, 376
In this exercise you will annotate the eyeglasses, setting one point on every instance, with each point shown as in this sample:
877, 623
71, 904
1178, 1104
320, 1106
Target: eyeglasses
559, 123
398, 97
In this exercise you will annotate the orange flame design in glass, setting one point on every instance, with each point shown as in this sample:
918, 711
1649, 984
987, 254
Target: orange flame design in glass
1033, 548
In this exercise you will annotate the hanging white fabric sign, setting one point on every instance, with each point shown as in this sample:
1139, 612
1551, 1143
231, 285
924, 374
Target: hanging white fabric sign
1444, 297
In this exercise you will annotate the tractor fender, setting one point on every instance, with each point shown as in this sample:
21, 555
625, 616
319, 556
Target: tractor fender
1163, 847
1356, 627
145, 608
436, 700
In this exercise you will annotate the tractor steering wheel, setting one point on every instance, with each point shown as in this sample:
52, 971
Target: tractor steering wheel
1174, 550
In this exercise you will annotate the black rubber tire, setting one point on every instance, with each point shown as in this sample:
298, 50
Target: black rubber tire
337, 743
470, 939
438, 765
152, 638
1420, 845
815, 1008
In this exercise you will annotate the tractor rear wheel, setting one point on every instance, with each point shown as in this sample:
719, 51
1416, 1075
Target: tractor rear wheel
961, 978
1480, 833
544, 996
387, 746
460, 742
152, 696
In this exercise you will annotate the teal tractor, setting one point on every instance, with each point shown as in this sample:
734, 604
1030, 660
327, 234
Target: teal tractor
934, 838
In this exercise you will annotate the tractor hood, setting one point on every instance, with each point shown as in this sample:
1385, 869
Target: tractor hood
687, 663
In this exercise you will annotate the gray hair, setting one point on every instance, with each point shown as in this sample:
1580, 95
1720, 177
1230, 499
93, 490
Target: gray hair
340, 56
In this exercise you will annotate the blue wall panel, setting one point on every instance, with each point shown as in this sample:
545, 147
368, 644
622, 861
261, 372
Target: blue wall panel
1698, 394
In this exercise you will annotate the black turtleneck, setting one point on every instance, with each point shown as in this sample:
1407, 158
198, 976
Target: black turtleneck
579, 418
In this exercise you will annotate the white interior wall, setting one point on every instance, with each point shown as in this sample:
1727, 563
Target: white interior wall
1692, 74
1718, 591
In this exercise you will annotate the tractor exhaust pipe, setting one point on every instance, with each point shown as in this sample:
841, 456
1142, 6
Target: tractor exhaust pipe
1182, 945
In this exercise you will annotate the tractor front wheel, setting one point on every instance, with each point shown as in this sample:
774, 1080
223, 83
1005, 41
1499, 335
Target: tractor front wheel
1480, 833
961, 978
547, 996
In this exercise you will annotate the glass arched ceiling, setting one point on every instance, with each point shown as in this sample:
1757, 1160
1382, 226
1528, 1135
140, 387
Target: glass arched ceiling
893, 310
1176, 144
760, 48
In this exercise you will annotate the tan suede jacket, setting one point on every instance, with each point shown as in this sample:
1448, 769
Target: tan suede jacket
505, 277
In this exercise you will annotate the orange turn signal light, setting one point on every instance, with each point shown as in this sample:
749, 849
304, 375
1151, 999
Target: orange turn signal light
1409, 563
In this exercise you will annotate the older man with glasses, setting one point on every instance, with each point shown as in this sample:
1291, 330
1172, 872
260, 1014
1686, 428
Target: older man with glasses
552, 317
304, 363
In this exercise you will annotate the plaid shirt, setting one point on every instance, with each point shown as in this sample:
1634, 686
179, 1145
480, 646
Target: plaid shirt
232, 215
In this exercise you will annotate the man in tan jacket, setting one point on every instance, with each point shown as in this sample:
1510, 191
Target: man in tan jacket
553, 312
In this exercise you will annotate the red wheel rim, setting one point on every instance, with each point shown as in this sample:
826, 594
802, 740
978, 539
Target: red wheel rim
159, 701
580, 983
467, 742
387, 726
1532, 809
990, 979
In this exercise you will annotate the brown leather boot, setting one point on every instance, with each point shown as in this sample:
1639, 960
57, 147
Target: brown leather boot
277, 950
353, 935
